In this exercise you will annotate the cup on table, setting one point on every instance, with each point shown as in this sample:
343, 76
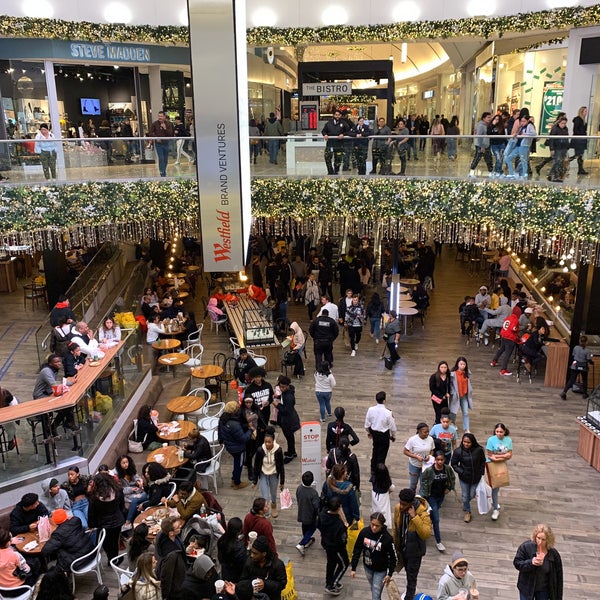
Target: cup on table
165, 445
219, 586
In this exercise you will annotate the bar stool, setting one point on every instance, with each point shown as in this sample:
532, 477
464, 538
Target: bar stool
5, 444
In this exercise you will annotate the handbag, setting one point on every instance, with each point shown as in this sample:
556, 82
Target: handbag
285, 498
134, 446
484, 497
497, 474
436, 399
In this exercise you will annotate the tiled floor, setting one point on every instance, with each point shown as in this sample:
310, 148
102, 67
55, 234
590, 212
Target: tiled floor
549, 481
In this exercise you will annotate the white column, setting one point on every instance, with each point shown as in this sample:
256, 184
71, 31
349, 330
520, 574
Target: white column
156, 94
54, 115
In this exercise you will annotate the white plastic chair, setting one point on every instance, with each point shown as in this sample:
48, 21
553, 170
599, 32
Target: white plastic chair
216, 320
196, 336
173, 487
197, 414
213, 468
212, 436
259, 359
194, 351
123, 575
22, 592
235, 347
92, 561
213, 410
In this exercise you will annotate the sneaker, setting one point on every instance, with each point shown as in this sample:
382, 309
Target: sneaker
126, 527
495, 514
240, 485
377, 341
300, 549
505, 372
563, 396
440, 547
467, 518
493, 363
333, 591
353, 353
338, 586
486, 340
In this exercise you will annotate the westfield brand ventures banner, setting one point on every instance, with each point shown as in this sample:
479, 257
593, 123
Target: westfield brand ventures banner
219, 74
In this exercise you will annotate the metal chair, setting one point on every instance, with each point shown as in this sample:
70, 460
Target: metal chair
92, 561
212, 470
123, 575
195, 415
22, 592
194, 350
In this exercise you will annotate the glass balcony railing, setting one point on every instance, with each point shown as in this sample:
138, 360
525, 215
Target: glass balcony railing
296, 155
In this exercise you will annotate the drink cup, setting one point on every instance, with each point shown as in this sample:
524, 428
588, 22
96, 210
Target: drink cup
219, 586
255, 583
165, 445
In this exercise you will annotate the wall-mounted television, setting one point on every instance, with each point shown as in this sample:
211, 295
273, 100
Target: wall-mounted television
90, 106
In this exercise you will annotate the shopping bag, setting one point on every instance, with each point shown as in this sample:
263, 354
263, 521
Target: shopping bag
497, 474
289, 592
44, 529
393, 591
353, 532
484, 497
285, 499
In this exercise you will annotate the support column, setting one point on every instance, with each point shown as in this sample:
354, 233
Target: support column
54, 116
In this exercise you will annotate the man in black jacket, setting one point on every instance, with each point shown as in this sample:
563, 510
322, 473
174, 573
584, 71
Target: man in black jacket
25, 515
263, 571
324, 330
68, 542
334, 131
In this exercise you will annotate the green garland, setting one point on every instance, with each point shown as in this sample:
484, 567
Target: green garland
560, 211
486, 28
354, 99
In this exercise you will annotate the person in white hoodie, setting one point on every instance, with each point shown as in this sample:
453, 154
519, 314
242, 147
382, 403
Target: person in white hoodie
457, 580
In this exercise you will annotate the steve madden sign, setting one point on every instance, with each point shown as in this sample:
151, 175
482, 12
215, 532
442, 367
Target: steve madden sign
326, 89
111, 52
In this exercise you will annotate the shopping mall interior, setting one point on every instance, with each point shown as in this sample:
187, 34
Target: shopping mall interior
96, 227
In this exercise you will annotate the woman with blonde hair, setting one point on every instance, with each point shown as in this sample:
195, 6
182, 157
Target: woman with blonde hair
540, 566
144, 585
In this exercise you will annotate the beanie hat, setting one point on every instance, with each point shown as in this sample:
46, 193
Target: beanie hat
53, 483
59, 516
457, 558
202, 565
406, 495
261, 543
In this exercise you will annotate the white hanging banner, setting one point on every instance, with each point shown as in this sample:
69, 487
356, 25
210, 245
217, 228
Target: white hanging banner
311, 451
219, 75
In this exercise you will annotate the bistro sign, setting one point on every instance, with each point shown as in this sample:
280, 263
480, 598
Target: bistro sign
327, 89
111, 52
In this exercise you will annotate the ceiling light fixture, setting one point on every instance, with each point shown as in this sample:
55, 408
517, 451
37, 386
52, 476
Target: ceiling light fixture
407, 10
334, 15
264, 17
40, 9
404, 52
117, 12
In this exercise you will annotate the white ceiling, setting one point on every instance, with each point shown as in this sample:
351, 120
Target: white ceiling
286, 13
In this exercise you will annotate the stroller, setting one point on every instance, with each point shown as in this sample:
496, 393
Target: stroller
208, 530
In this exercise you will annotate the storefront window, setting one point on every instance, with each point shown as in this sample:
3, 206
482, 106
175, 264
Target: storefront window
263, 99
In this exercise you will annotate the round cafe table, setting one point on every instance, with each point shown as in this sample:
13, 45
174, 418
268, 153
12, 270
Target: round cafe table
182, 405
192, 268
407, 304
185, 427
410, 281
173, 359
170, 460
166, 344
22, 540
150, 517
406, 311
207, 371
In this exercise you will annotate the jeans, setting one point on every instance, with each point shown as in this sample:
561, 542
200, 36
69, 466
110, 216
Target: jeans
522, 153
238, 464
308, 530
268, 486
376, 326
273, 146
79, 508
464, 407
324, 399
498, 152
132, 511
451, 147
375, 579
414, 474
162, 154
435, 503
355, 334
495, 492
468, 491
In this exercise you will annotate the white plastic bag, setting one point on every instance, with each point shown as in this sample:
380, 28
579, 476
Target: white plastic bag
484, 497
285, 498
